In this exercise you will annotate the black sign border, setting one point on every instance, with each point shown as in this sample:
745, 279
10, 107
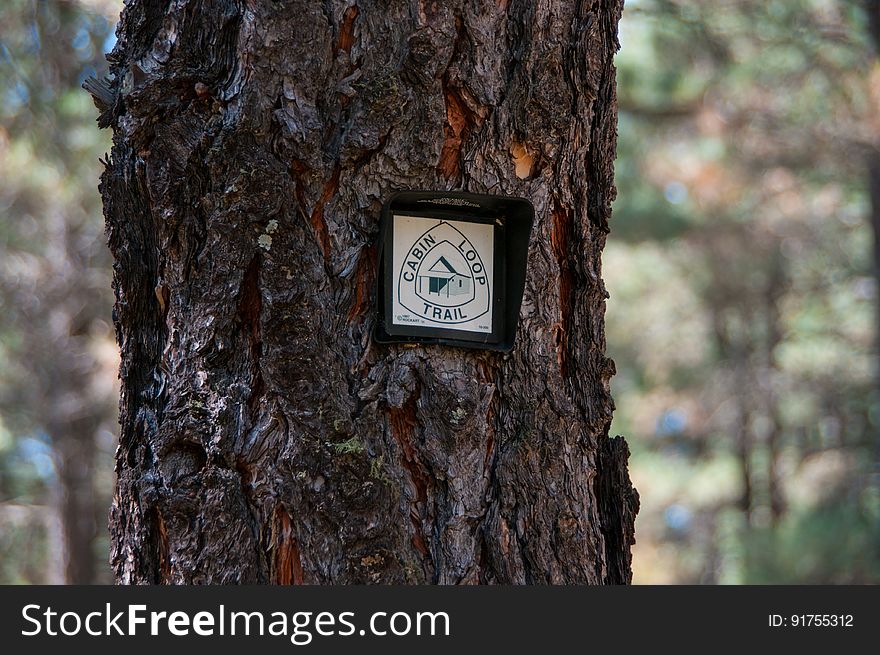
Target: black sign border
513, 218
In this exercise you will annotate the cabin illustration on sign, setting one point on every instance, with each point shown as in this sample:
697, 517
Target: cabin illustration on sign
443, 280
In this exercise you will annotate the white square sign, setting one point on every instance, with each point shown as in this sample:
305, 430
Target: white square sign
442, 274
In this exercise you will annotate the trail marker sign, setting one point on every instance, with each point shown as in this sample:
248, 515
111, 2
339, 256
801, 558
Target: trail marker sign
452, 268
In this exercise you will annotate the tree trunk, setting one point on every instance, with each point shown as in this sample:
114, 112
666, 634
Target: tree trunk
265, 438
75, 446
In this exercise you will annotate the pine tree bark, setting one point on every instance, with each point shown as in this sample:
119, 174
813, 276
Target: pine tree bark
264, 437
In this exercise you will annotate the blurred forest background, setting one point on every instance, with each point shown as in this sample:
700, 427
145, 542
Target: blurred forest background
742, 267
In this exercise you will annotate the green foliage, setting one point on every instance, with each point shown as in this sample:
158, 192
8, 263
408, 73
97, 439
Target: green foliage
743, 301
57, 356
829, 545
24, 552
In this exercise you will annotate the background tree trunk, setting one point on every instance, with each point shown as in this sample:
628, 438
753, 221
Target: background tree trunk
265, 438
872, 8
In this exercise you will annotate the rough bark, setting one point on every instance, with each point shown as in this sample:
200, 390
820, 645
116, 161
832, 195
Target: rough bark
264, 437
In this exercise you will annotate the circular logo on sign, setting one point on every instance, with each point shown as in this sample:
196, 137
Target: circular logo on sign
443, 278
